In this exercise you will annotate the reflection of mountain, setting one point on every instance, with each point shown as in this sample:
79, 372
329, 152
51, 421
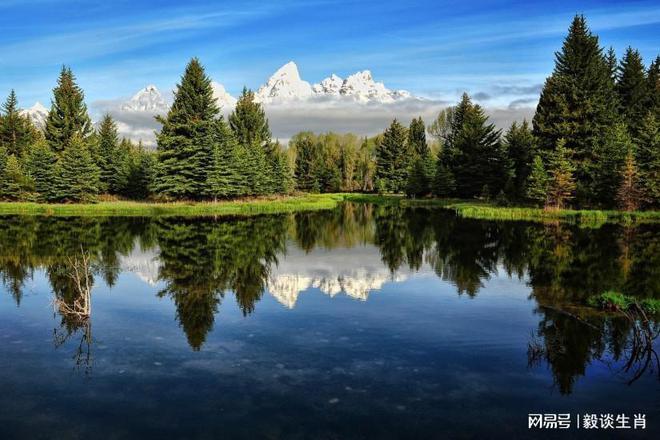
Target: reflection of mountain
355, 272
142, 263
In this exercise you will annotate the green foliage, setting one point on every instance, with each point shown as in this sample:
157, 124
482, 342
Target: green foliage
77, 176
112, 158
16, 131
417, 138
618, 302
40, 166
647, 157
632, 88
537, 183
68, 113
420, 176
578, 103
13, 182
248, 121
392, 158
444, 184
226, 177
611, 156
629, 194
561, 186
521, 148
186, 141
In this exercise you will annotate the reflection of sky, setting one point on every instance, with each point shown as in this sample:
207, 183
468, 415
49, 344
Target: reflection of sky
415, 357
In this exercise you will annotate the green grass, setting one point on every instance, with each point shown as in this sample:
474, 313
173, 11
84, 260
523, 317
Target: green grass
615, 302
307, 202
486, 211
265, 205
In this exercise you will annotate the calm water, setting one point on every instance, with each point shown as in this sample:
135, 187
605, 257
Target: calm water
362, 322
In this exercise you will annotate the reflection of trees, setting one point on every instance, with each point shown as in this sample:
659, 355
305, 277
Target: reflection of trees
203, 258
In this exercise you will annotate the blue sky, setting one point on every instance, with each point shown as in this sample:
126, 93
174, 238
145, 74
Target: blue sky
432, 48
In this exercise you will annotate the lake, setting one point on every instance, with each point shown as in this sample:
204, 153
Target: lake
362, 322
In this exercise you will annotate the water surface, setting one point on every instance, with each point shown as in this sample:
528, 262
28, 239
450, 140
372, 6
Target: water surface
357, 323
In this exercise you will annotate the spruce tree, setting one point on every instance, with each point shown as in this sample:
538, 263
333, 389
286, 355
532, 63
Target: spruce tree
283, 177
632, 89
226, 177
111, 160
40, 166
417, 138
16, 130
537, 183
521, 149
13, 183
248, 121
480, 160
577, 103
186, 141
653, 88
305, 169
610, 158
561, 185
444, 183
629, 194
68, 113
647, 158
393, 158
420, 177
77, 176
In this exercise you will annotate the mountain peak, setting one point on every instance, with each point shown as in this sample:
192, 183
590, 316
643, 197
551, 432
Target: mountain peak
285, 83
147, 99
37, 113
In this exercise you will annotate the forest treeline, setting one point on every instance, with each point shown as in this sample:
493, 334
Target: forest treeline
593, 142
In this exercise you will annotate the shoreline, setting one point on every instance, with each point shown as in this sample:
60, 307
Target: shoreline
473, 209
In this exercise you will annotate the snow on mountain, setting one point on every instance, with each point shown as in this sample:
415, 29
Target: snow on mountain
285, 84
329, 86
37, 113
148, 99
225, 100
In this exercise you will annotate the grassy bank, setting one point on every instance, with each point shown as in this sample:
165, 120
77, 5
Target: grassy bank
486, 211
310, 202
265, 205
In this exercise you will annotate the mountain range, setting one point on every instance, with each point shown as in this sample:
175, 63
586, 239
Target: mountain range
285, 86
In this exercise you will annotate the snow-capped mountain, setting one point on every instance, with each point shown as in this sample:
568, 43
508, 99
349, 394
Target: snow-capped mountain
284, 84
37, 113
148, 99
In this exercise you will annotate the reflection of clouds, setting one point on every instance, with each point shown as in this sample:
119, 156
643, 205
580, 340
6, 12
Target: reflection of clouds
144, 264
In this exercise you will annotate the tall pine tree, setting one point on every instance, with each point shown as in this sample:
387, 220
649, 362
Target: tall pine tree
186, 141
521, 148
77, 176
68, 113
577, 103
392, 159
16, 130
632, 88
40, 166
111, 160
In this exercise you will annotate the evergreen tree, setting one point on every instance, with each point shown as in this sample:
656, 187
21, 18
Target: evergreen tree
68, 113
40, 166
392, 158
629, 194
417, 138
653, 88
77, 176
420, 177
250, 127
577, 103
632, 88
248, 121
444, 183
521, 148
13, 183
16, 131
611, 156
648, 158
537, 183
612, 63
140, 176
226, 178
305, 170
283, 177
561, 186
111, 159
186, 141
479, 159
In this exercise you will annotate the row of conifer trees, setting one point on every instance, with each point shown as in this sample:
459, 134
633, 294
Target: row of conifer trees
594, 141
